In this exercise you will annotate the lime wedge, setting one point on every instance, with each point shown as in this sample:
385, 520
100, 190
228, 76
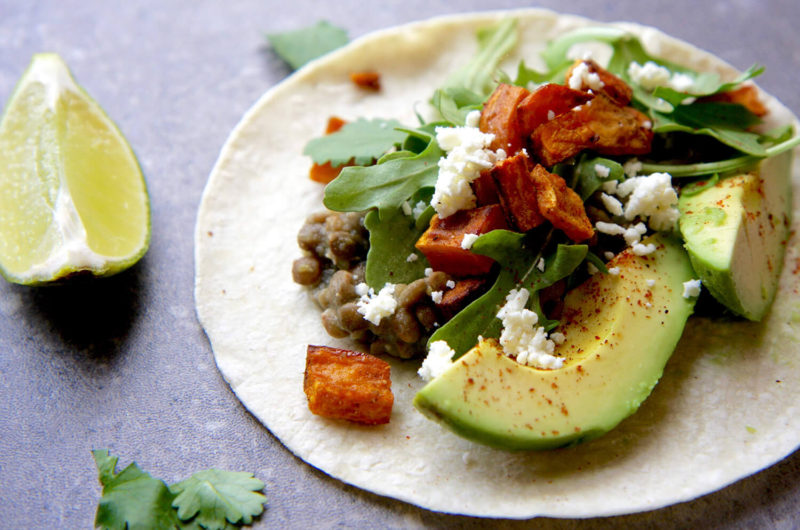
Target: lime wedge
72, 195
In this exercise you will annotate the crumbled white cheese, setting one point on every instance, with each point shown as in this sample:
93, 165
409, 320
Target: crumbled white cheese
602, 171
428, 271
651, 76
648, 305
643, 250
612, 204
632, 167
412, 258
406, 208
651, 197
608, 255
558, 338
632, 234
540, 265
650, 282
473, 119
614, 271
419, 208
436, 296
438, 360
610, 186
468, 154
375, 306
468, 240
691, 288
550, 115
450, 284
581, 76
521, 337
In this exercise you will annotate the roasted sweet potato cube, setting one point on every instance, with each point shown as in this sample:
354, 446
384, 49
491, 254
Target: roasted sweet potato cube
324, 173
499, 117
600, 125
367, 80
560, 205
545, 103
613, 87
441, 242
517, 193
348, 385
746, 95
465, 291
485, 190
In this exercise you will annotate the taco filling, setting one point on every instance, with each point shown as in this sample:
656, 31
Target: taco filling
541, 239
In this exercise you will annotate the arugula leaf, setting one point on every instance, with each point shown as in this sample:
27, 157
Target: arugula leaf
469, 86
131, 498
303, 45
391, 240
587, 179
362, 140
384, 186
216, 496
527, 76
685, 121
518, 269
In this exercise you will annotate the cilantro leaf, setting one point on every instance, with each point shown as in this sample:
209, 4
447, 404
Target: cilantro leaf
303, 45
362, 140
391, 241
216, 496
132, 498
518, 269
384, 186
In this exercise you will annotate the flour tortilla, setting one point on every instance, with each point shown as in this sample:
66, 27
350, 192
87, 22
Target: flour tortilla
726, 406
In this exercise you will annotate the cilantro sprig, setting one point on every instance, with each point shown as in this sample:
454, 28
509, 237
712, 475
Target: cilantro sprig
300, 46
212, 499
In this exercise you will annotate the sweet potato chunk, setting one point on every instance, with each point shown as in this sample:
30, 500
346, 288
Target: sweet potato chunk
600, 125
499, 117
368, 80
324, 173
485, 190
746, 96
441, 242
615, 88
560, 205
545, 103
517, 192
348, 385
460, 296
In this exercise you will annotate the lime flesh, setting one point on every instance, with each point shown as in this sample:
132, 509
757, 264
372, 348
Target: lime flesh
72, 195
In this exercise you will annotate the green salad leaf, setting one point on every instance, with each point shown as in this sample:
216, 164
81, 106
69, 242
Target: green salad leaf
218, 497
210, 500
385, 186
131, 498
518, 258
391, 242
361, 141
587, 178
300, 46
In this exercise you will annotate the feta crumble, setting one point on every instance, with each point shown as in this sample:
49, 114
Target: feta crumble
468, 154
468, 240
428, 271
412, 258
608, 255
540, 265
650, 282
602, 171
436, 296
643, 250
581, 76
521, 337
450, 284
419, 208
651, 76
652, 197
614, 271
438, 360
550, 115
473, 119
612, 204
375, 306
632, 167
407, 209
691, 288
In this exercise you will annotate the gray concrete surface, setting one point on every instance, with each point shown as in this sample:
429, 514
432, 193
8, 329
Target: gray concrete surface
123, 363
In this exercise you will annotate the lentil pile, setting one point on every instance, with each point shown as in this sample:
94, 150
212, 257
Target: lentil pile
335, 249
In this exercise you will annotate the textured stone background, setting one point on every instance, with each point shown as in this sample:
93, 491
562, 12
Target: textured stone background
123, 364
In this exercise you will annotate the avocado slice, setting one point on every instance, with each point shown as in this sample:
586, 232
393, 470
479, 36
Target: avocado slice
735, 233
620, 331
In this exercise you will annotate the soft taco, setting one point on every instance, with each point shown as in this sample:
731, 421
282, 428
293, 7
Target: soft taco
723, 409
